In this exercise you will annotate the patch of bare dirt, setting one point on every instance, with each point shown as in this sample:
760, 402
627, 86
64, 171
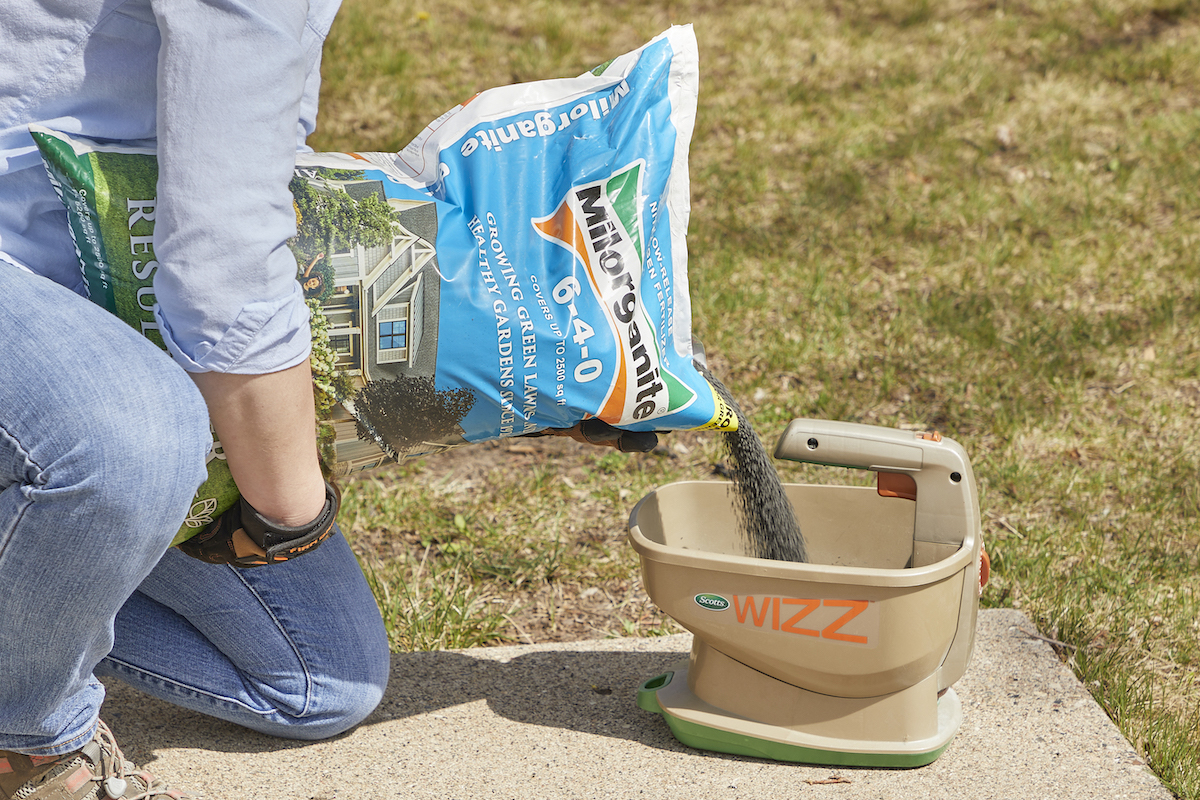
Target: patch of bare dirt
574, 605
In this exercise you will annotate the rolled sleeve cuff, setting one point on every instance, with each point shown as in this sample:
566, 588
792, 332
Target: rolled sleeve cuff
265, 337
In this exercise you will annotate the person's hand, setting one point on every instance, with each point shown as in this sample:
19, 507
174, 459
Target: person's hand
598, 432
242, 537
225, 542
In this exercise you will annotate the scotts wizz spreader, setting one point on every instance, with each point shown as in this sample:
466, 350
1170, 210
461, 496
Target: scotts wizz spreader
849, 659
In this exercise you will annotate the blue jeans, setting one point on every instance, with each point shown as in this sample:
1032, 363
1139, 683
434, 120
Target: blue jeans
102, 446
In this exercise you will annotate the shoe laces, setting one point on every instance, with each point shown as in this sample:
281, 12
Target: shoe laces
113, 777
118, 774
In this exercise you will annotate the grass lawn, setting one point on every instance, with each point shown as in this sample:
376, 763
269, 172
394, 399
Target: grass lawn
979, 217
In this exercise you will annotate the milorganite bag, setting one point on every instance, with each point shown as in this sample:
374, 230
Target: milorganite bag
521, 265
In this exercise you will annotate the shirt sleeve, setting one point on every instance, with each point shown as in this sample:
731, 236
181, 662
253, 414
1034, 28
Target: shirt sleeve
236, 89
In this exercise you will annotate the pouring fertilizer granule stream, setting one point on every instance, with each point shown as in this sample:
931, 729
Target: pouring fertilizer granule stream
764, 512
848, 659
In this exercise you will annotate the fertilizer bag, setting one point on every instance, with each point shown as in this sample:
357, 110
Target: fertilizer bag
521, 265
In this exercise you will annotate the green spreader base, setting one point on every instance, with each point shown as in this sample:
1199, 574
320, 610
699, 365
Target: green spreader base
704, 727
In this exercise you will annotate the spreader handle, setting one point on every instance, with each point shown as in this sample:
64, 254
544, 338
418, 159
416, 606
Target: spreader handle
849, 444
947, 506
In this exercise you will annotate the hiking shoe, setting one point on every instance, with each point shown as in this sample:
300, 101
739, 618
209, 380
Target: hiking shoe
97, 772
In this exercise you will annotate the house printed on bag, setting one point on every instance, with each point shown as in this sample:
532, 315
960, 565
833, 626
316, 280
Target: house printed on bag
383, 308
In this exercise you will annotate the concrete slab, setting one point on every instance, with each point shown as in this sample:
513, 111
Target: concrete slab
560, 721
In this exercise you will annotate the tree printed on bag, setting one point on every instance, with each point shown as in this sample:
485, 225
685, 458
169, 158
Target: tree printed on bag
411, 412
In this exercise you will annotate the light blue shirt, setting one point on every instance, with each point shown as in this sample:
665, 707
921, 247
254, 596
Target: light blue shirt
229, 90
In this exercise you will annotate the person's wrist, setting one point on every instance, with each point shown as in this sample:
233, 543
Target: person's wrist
294, 505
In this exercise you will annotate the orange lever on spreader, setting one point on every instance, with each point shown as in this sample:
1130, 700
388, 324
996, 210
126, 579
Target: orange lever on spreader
896, 484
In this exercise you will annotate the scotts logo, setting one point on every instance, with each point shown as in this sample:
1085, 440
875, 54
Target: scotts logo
713, 602
600, 223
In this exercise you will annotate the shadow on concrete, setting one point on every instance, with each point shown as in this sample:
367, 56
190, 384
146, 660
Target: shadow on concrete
588, 692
